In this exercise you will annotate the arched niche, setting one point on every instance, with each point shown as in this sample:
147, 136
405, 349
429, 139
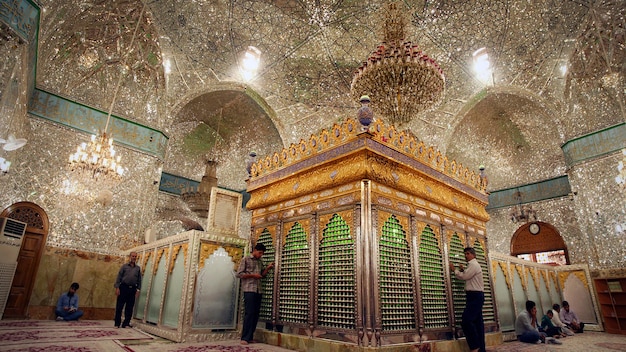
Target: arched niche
539, 241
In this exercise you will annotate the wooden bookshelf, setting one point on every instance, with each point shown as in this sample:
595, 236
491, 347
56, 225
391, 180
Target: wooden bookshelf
612, 299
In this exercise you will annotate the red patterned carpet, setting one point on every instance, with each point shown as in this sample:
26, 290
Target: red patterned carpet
101, 336
83, 336
587, 342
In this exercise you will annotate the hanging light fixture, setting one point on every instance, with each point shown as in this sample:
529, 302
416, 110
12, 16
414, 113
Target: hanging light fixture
97, 158
400, 79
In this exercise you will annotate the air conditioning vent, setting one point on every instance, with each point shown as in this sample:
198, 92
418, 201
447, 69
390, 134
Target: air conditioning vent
12, 228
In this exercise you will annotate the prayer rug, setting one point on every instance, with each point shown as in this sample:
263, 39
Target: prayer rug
26, 324
69, 346
613, 346
207, 346
192, 347
585, 342
27, 336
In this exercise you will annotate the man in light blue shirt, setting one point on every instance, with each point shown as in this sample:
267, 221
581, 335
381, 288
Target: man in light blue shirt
67, 305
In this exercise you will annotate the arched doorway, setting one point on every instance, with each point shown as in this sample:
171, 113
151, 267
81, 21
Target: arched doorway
539, 242
33, 244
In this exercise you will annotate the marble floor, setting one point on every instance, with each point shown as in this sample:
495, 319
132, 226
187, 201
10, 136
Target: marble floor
99, 336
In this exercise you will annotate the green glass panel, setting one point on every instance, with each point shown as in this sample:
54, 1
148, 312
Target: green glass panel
432, 281
395, 278
294, 277
336, 304
457, 257
267, 283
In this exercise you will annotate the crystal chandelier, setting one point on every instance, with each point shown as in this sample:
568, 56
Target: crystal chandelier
97, 158
400, 80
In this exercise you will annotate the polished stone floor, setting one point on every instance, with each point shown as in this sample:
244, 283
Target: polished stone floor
99, 336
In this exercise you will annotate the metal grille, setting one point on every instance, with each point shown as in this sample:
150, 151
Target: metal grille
457, 257
293, 305
396, 279
336, 285
432, 281
267, 283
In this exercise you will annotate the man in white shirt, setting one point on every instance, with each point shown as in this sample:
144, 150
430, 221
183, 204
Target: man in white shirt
557, 321
526, 327
472, 319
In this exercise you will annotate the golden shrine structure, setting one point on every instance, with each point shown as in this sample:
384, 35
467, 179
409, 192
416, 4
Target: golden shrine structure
361, 222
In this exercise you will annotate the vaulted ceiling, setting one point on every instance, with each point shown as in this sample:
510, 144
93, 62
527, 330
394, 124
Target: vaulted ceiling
178, 62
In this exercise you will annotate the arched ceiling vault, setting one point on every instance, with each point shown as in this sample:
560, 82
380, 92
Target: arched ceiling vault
512, 136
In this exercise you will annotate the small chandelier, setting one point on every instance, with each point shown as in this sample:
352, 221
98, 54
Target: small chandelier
97, 158
400, 79
522, 213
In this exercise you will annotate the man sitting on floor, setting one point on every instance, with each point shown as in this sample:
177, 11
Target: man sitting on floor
67, 305
570, 319
549, 328
557, 321
526, 327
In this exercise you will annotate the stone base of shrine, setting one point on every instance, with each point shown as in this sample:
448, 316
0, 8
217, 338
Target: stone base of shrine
308, 344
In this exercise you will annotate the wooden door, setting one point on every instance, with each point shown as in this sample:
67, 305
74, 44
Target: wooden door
33, 245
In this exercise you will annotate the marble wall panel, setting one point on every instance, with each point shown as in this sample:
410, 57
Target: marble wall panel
59, 267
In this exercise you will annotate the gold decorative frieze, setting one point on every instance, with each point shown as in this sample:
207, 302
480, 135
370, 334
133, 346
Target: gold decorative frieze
544, 275
480, 240
346, 215
319, 201
564, 275
360, 157
522, 275
305, 223
505, 270
535, 275
236, 253
144, 261
206, 249
435, 229
175, 252
155, 264
383, 216
339, 134
552, 275
271, 229
450, 233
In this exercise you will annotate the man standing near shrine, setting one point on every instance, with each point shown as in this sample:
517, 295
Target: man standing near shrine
250, 272
472, 319
127, 286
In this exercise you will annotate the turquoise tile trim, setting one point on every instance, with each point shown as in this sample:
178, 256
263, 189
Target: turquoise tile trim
174, 184
595, 144
22, 16
533, 192
84, 118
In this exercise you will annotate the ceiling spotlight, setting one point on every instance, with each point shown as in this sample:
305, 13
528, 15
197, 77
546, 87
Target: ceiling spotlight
482, 65
250, 63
